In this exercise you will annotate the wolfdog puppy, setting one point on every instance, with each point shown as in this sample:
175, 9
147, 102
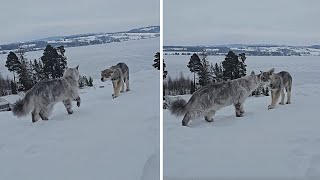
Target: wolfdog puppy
211, 98
119, 74
45, 94
278, 82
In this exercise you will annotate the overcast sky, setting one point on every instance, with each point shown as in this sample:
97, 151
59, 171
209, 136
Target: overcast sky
23, 20
212, 22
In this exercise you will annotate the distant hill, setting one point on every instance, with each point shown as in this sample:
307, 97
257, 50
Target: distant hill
249, 50
150, 29
84, 39
315, 46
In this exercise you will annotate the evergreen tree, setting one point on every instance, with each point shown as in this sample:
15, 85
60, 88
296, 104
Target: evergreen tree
5, 86
157, 64
13, 87
81, 81
86, 80
156, 61
233, 67
164, 75
24, 76
33, 74
165, 72
242, 66
194, 67
54, 62
38, 70
217, 71
192, 88
24, 72
90, 82
204, 73
13, 64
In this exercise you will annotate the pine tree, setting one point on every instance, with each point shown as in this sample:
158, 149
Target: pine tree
165, 72
13, 87
90, 82
192, 88
81, 81
194, 67
13, 64
86, 80
32, 72
164, 76
156, 61
233, 67
204, 73
54, 62
24, 72
157, 64
217, 71
62, 62
242, 66
38, 70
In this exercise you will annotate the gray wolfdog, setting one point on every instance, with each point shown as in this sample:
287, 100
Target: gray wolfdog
211, 98
119, 74
278, 82
45, 94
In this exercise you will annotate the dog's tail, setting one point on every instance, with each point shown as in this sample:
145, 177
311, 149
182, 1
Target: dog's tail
23, 106
180, 107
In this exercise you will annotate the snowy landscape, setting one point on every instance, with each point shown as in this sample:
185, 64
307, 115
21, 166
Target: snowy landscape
283, 143
105, 138
84, 39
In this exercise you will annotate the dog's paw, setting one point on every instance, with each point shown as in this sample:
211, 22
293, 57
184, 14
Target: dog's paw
78, 99
70, 112
184, 124
114, 96
239, 115
270, 107
281, 103
288, 102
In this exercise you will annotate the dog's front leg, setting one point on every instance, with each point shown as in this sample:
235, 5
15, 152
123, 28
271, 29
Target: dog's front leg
237, 107
75, 96
116, 88
275, 97
68, 105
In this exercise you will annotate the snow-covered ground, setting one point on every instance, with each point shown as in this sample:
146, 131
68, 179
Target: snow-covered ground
105, 138
283, 143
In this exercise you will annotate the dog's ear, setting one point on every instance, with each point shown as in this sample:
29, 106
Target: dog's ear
271, 71
259, 75
252, 73
77, 67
